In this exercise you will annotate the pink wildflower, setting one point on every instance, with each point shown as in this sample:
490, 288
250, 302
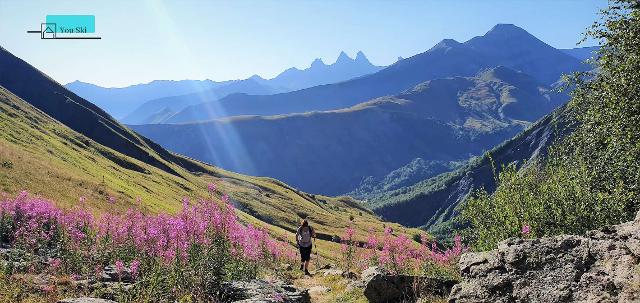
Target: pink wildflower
55, 263
526, 229
212, 188
135, 266
119, 267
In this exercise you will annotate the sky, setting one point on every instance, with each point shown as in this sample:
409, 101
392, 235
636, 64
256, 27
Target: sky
224, 40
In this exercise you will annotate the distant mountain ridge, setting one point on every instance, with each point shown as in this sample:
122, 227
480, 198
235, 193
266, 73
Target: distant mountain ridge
134, 104
582, 53
320, 73
120, 101
161, 109
331, 152
504, 44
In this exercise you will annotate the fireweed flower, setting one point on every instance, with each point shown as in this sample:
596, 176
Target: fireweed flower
135, 266
55, 263
526, 229
38, 224
211, 188
119, 267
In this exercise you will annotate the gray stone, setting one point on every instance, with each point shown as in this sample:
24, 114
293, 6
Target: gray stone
255, 291
86, 300
333, 272
110, 274
602, 266
380, 287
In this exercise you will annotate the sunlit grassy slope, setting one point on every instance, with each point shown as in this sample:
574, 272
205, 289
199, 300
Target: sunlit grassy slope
44, 157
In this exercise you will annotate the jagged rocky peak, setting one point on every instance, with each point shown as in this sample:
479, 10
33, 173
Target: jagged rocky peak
343, 58
361, 58
317, 62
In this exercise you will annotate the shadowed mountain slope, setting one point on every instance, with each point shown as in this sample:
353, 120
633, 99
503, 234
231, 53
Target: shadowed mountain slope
433, 201
332, 152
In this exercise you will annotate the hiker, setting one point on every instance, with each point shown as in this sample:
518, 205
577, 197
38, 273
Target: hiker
303, 238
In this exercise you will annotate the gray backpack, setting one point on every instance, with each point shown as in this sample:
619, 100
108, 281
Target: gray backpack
305, 236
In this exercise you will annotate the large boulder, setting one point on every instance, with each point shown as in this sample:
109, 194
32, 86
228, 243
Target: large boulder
602, 266
381, 287
260, 291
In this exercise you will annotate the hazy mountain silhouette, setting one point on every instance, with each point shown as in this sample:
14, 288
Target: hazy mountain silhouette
120, 101
320, 73
581, 53
133, 104
331, 152
158, 110
504, 44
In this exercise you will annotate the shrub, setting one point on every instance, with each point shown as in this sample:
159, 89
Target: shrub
591, 178
543, 200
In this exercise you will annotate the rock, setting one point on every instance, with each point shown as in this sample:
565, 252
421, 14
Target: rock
255, 291
110, 274
380, 287
86, 300
602, 266
333, 272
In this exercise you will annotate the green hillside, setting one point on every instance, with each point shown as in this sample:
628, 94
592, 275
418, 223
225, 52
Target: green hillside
44, 157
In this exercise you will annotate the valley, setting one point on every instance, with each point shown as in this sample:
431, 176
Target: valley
498, 166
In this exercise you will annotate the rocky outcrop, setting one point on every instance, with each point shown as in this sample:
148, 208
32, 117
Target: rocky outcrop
380, 287
602, 266
260, 291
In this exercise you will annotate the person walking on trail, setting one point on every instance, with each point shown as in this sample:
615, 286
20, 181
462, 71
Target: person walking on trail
304, 239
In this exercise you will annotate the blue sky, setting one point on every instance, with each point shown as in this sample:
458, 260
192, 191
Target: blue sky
220, 40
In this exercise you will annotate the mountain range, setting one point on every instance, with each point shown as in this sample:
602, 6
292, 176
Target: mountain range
333, 151
156, 101
505, 44
330, 152
120, 101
